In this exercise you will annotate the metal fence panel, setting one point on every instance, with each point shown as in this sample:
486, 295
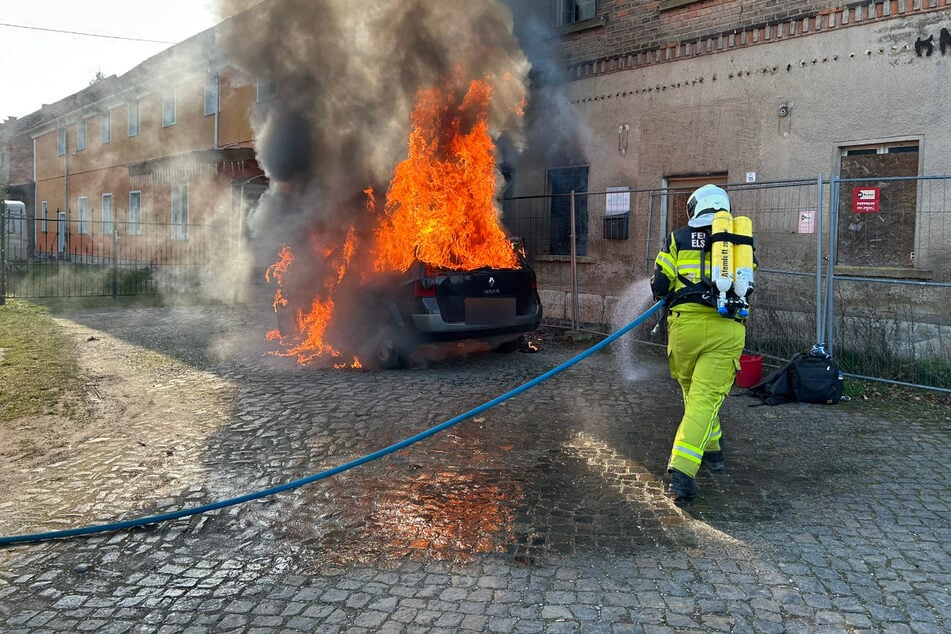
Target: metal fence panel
883, 309
876, 308
110, 259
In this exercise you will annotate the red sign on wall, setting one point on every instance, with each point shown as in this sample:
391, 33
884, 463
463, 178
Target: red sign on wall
865, 200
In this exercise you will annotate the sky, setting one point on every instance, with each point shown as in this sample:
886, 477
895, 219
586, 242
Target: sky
43, 66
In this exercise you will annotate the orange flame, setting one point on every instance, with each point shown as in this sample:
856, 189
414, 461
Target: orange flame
439, 208
307, 342
278, 271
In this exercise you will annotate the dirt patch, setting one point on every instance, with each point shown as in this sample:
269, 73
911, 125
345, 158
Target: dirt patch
135, 434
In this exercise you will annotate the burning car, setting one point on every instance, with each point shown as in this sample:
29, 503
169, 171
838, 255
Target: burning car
385, 324
430, 261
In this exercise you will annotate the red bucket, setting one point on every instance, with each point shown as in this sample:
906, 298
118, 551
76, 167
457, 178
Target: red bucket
751, 370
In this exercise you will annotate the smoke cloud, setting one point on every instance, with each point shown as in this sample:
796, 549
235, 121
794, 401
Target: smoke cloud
345, 76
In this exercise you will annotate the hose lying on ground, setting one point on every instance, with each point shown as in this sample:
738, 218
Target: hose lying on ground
154, 519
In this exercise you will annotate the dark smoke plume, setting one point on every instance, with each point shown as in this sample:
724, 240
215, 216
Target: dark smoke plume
345, 75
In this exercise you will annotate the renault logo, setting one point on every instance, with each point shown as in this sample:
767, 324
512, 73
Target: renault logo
491, 282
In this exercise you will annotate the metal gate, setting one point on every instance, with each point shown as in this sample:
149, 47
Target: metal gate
870, 277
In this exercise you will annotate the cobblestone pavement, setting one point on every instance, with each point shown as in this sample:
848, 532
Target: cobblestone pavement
543, 514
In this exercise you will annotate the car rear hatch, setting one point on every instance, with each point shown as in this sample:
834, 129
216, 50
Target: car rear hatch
486, 297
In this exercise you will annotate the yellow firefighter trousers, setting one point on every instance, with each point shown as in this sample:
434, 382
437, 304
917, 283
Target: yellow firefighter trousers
703, 352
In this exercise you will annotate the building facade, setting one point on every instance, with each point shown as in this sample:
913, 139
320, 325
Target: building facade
627, 96
634, 95
146, 155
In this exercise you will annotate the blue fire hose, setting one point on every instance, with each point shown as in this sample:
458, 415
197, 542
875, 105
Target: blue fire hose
154, 519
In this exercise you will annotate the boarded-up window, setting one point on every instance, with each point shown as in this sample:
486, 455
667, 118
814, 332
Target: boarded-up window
883, 238
561, 182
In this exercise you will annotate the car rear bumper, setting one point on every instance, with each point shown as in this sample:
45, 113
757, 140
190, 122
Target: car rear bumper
433, 326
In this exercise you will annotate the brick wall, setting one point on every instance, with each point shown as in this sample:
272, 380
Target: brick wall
630, 33
16, 153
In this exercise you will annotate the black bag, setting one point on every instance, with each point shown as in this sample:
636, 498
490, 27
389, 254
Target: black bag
817, 380
776, 387
805, 378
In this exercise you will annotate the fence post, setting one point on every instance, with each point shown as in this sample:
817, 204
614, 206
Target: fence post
820, 329
3, 253
115, 260
575, 317
830, 267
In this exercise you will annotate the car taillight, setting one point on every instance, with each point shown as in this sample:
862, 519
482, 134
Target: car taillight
424, 287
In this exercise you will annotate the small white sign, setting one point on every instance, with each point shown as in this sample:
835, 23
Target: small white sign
618, 201
751, 177
807, 222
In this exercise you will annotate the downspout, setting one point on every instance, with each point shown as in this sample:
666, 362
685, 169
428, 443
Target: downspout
217, 104
36, 201
66, 176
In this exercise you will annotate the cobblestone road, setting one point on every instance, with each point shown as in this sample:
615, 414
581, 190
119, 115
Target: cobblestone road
543, 514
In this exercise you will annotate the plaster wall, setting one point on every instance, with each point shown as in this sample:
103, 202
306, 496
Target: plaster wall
719, 112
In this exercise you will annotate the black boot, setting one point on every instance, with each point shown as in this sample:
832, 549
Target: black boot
682, 488
713, 460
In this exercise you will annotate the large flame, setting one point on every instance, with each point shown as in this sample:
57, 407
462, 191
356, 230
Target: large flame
439, 210
307, 342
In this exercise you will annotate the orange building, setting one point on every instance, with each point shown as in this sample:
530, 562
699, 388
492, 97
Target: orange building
167, 146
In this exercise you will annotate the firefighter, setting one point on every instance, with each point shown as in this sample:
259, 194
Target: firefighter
704, 344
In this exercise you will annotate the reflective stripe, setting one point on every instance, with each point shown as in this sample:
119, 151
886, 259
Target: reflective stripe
666, 263
689, 452
713, 427
690, 271
688, 266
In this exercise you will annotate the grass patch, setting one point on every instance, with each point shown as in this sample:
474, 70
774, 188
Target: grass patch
900, 401
65, 304
39, 370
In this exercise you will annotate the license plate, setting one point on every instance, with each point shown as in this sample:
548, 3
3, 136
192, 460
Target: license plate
490, 311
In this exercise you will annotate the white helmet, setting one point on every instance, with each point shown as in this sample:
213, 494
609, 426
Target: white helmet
704, 202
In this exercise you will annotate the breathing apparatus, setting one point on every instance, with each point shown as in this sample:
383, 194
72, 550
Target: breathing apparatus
729, 282
732, 263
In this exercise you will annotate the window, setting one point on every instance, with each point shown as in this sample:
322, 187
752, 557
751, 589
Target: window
617, 212
133, 118
211, 94
83, 215
886, 237
561, 182
265, 88
180, 211
666, 5
107, 214
168, 110
61, 142
105, 127
44, 210
572, 11
135, 214
81, 134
